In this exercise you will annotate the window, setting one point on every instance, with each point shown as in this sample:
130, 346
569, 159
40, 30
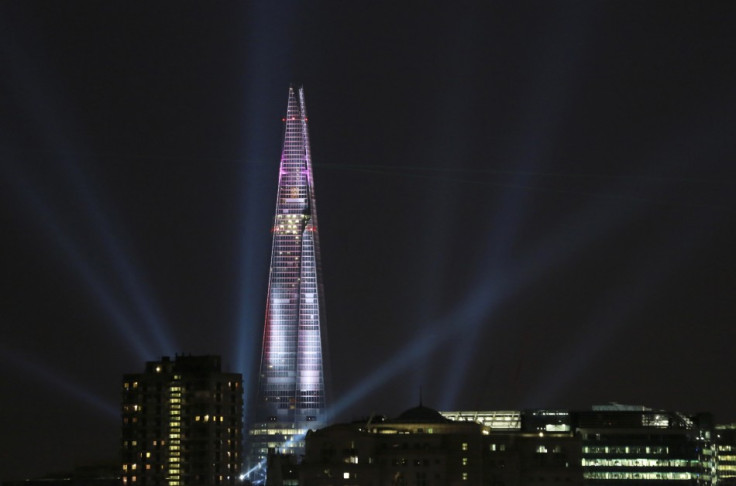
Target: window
464, 446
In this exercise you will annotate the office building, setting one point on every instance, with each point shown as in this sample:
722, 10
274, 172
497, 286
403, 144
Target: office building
725, 440
610, 445
626, 446
182, 423
618, 444
421, 447
291, 392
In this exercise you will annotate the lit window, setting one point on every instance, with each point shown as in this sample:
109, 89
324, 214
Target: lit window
465, 446
465, 461
346, 475
465, 476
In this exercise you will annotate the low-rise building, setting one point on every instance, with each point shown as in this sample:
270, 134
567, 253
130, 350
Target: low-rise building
421, 447
609, 445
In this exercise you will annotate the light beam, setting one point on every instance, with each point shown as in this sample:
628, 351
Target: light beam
54, 378
616, 308
48, 222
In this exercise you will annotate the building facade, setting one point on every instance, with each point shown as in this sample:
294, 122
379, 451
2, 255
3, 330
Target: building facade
421, 447
610, 445
726, 454
291, 393
182, 423
646, 447
620, 444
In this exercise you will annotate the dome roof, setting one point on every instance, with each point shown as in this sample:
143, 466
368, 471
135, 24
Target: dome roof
422, 414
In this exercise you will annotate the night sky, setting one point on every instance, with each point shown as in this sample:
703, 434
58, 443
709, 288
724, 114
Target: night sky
521, 204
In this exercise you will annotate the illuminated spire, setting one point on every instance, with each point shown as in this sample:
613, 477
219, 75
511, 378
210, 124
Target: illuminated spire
291, 393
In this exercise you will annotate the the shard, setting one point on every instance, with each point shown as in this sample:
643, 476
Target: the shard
291, 392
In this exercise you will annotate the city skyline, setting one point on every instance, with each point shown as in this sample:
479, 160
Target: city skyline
524, 204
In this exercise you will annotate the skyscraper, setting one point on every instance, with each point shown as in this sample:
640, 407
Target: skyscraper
291, 393
182, 423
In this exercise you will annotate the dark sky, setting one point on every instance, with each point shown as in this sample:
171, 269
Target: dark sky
522, 204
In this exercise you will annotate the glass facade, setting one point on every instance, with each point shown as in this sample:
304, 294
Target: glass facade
646, 447
291, 394
496, 420
726, 454
617, 444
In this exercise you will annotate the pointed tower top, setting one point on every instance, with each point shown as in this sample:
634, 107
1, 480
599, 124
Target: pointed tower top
298, 87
